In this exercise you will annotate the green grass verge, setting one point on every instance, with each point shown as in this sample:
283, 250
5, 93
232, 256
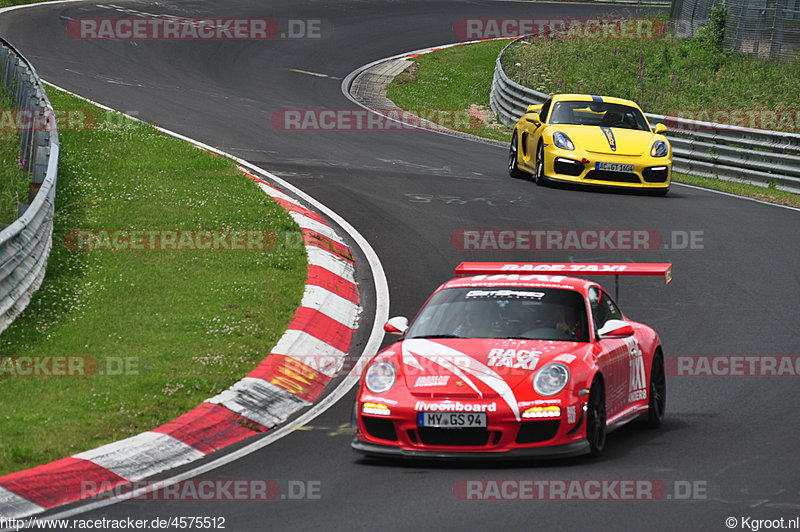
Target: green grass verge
661, 75
189, 323
453, 79
461, 78
14, 183
9, 3
741, 189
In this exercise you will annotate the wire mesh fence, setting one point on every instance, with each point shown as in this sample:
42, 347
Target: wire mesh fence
763, 28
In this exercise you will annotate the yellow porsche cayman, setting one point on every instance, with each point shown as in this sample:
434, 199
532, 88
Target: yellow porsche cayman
592, 140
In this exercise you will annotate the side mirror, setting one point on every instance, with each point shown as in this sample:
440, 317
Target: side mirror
615, 329
534, 118
659, 129
396, 326
534, 108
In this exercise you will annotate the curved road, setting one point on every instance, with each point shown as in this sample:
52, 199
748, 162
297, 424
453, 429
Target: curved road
732, 439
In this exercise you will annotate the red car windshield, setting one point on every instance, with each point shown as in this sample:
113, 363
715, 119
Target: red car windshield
503, 312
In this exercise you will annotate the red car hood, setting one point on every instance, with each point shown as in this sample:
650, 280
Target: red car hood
475, 368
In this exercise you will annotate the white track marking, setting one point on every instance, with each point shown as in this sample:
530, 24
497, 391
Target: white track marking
347, 383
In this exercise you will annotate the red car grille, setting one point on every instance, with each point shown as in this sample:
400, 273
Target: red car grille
537, 431
380, 428
459, 437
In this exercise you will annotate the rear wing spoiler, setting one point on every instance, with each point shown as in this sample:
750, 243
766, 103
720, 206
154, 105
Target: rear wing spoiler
663, 269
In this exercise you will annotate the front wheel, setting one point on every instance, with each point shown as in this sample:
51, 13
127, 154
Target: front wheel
539, 176
513, 171
596, 419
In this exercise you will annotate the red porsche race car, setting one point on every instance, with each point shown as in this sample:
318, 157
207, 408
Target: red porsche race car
512, 359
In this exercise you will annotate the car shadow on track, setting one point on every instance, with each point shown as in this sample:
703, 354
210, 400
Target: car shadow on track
619, 444
563, 185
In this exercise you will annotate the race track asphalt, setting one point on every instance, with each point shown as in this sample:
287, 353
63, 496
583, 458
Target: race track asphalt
733, 438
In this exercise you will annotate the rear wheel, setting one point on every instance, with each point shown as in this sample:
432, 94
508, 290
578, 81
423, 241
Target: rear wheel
658, 392
596, 419
539, 176
513, 171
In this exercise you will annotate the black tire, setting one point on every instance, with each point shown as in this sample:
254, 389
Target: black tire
354, 415
596, 429
513, 171
658, 392
539, 177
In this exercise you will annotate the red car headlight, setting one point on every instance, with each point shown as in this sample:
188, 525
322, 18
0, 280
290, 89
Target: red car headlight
551, 379
380, 376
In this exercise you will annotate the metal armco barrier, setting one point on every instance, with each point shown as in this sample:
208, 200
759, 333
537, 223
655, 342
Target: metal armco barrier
711, 150
25, 244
